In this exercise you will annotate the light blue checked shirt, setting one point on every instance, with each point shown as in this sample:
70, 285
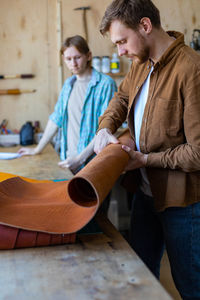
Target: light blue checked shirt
99, 92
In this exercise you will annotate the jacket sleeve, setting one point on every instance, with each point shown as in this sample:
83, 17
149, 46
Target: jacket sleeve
116, 112
185, 157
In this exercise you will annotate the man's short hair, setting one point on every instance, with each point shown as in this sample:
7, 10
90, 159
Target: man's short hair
130, 13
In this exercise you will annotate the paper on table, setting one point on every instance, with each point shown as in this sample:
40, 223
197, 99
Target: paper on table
6, 155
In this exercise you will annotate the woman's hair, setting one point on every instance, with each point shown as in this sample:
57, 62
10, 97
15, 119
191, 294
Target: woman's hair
78, 42
130, 13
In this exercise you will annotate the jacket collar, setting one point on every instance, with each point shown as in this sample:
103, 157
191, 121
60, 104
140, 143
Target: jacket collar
170, 52
173, 49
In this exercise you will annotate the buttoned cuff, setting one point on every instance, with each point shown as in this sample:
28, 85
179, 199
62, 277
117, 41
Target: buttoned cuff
154, 160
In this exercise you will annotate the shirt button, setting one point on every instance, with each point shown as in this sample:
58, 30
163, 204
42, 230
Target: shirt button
137, 87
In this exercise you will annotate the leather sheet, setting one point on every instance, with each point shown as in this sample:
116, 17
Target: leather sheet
58, 208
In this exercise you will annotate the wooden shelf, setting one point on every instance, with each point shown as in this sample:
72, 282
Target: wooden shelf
120, 74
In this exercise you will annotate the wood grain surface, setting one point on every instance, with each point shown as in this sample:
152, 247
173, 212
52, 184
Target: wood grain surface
98, 266
41, 166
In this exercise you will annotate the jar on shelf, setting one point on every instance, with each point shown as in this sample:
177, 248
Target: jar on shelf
96, 63
115, 63
105, 64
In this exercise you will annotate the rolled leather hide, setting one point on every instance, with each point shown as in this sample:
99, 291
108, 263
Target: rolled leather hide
58, 208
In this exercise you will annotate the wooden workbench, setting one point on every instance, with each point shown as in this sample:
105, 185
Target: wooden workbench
98, 266
41, 166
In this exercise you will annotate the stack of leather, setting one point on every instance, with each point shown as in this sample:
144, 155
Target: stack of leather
41, 213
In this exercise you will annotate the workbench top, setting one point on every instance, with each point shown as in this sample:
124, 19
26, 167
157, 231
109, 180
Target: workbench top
100, 266
41, 166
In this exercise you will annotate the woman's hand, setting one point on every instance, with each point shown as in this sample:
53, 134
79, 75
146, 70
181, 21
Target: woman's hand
72, 163
27, 151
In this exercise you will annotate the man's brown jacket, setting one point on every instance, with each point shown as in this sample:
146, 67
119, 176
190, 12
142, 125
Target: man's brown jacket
170, 131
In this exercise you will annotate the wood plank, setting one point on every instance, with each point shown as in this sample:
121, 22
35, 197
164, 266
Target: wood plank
41, 166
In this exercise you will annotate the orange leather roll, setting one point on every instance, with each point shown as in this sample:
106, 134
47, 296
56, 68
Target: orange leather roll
93, 183
62, 207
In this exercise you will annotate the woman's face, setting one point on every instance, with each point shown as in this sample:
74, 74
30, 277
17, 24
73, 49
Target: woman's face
75, 61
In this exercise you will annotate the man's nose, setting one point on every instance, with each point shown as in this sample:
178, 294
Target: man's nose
121, 51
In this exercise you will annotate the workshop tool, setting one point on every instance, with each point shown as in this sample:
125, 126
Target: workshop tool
15, 91
23, 76
84, 9
195, 43
3, 129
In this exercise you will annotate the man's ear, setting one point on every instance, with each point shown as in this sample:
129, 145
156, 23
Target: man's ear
145, 25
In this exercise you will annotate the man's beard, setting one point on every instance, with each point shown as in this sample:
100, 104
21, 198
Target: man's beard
143, 56
144, 53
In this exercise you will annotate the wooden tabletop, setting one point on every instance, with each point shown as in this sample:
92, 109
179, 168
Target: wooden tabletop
41, 166
99, 266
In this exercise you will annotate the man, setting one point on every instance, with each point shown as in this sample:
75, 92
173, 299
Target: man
160, 97
83, 98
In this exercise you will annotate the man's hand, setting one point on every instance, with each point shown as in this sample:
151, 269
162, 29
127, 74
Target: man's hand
137, 159
72, 163
27, 151
102, 139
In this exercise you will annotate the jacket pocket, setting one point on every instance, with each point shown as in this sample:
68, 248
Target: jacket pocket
170, 115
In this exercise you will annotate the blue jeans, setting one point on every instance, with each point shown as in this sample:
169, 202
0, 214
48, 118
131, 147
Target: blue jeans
177, 229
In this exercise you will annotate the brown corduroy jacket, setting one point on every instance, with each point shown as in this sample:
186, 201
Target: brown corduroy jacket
170, 131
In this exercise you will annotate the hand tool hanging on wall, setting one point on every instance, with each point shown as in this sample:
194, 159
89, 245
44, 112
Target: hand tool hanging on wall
84, 9
23, 76
15, 92
3, 128
195, 43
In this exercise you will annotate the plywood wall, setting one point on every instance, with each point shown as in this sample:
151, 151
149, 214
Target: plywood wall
28, 45
31, 32
180, 15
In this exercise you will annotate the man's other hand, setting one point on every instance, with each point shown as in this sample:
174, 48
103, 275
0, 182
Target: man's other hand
137, 159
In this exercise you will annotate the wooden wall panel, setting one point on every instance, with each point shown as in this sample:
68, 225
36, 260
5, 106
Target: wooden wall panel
72, 23
29, 38
180, 15
27, 47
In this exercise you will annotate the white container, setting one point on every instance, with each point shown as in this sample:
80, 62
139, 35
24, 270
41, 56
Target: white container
105, 64
96, 63
8, 139
115, 63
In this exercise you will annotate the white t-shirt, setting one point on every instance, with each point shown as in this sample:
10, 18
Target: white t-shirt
75, 106
140, 103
